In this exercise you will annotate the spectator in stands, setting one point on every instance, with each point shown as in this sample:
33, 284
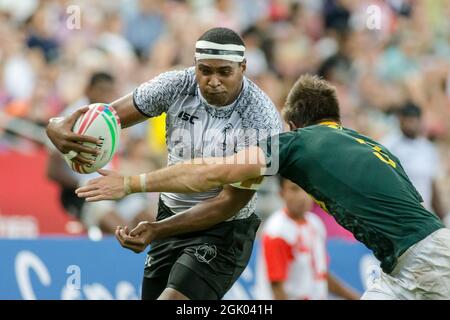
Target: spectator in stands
418, 156
144, 26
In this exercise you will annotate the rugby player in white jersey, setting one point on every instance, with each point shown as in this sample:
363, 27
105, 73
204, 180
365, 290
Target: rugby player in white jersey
205, 239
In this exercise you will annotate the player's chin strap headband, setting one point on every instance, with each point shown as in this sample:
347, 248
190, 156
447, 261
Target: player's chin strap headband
211, 50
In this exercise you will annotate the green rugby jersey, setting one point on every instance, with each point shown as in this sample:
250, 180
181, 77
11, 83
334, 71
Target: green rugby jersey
361, 184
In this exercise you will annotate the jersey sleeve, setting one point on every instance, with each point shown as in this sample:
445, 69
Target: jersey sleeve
154, 97
277, 256
278, 151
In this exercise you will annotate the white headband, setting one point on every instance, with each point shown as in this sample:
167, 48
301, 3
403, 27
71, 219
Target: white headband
212, 50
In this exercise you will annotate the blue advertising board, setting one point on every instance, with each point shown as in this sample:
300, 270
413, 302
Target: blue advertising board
78, 268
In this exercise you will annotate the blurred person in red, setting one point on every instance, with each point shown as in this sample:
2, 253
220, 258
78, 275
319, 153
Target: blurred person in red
294, 257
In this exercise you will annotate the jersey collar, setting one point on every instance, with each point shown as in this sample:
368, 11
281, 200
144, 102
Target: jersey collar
331, 124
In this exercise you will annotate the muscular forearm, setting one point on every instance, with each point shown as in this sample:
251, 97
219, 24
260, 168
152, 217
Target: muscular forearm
127, 112
205, 214
191, 178
182, 178
202, 216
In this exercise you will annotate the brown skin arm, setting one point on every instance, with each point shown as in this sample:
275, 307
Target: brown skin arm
206, 174
278, 291
200, 217
61, 135
436, 202
127, 112
206, 214
181, 178
337, 288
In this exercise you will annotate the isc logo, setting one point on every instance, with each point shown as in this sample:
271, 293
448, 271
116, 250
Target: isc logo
187, 117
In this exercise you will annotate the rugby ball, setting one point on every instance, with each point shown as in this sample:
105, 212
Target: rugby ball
102, 122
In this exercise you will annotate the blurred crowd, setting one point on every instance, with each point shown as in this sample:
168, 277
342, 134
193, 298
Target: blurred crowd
380, 55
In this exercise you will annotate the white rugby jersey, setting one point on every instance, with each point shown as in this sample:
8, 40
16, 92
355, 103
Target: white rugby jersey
196, 129
294, 252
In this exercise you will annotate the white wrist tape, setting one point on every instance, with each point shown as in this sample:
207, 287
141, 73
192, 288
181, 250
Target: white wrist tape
127, 184
143, 182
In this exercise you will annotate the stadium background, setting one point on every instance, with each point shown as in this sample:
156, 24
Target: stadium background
48, 50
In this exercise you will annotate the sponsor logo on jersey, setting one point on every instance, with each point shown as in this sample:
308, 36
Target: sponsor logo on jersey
187, 117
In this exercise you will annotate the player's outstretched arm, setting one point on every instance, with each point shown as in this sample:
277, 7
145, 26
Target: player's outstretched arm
204, 174
59, 130
198, 175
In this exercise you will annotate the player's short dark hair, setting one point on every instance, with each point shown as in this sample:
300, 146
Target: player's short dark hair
98, 77
311, 100
222, 36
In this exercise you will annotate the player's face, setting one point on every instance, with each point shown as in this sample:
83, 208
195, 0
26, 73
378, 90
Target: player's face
220, 81
296, 199
410, 126
102, 91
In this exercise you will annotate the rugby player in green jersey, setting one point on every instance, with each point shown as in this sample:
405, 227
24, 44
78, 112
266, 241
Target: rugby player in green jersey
351, 176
